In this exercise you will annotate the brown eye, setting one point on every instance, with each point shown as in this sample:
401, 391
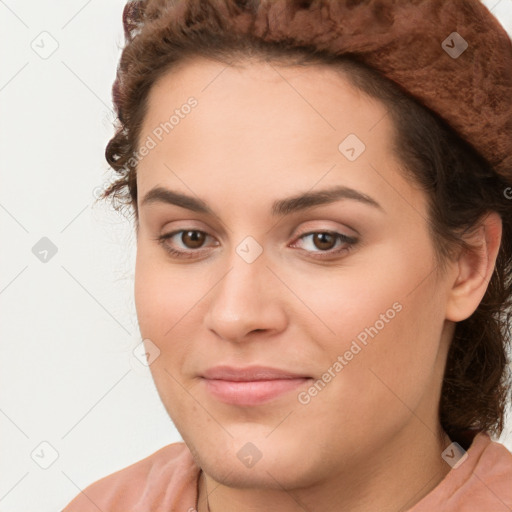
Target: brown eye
319, 244
184, 243
324, 241
324, 244
193, 239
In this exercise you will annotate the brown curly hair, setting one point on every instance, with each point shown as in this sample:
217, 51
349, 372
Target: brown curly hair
461, 184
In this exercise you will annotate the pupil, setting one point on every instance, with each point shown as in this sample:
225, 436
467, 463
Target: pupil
321, 237
195, 237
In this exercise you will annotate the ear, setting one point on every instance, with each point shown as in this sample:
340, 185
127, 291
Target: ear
475, 268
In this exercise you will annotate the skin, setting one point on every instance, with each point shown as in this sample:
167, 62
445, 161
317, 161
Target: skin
370, 439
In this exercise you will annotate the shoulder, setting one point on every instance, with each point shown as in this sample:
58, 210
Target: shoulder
164, 480
494, 472
481, 482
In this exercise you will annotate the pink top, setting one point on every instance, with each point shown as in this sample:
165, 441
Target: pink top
167, 481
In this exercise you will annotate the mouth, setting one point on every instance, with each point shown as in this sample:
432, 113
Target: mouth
250, 386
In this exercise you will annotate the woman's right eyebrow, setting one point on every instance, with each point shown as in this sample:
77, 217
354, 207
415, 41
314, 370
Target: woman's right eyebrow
280, 207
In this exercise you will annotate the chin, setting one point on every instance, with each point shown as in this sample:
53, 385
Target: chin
280, 464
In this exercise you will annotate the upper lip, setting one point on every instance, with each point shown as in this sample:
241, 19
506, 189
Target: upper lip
249, 373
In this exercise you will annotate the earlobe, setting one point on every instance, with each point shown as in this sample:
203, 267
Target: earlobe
475, 268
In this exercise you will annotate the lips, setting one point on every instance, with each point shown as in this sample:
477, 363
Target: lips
249, 373
250, 386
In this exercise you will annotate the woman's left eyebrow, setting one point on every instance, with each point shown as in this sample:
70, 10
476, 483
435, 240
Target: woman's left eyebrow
309, 199
280, 207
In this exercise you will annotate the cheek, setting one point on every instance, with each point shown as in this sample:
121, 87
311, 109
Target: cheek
160, 295
148, 297
169, 309
383, 379
387, 323
161, 302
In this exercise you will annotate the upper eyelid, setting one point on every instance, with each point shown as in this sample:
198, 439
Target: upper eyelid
296, 236
353, 232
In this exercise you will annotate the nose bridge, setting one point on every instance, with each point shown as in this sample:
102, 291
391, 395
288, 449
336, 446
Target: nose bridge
240, 302
247, 268
243, 284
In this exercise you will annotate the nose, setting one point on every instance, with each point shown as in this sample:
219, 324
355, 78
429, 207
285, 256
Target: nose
246, 300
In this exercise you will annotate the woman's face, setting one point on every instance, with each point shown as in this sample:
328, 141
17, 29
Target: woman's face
337, 289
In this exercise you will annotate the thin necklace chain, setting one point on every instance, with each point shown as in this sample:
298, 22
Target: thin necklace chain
203, 477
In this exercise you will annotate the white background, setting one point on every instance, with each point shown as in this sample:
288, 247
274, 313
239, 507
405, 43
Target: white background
67, 373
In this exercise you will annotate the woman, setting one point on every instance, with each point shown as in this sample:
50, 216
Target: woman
322, 200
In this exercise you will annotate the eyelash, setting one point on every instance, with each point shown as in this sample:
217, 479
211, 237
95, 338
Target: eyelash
349, 241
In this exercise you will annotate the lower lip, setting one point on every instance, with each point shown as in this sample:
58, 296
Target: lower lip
253, 392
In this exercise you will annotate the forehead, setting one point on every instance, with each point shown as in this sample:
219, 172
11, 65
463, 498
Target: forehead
320, 87
268, 128
261, 105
